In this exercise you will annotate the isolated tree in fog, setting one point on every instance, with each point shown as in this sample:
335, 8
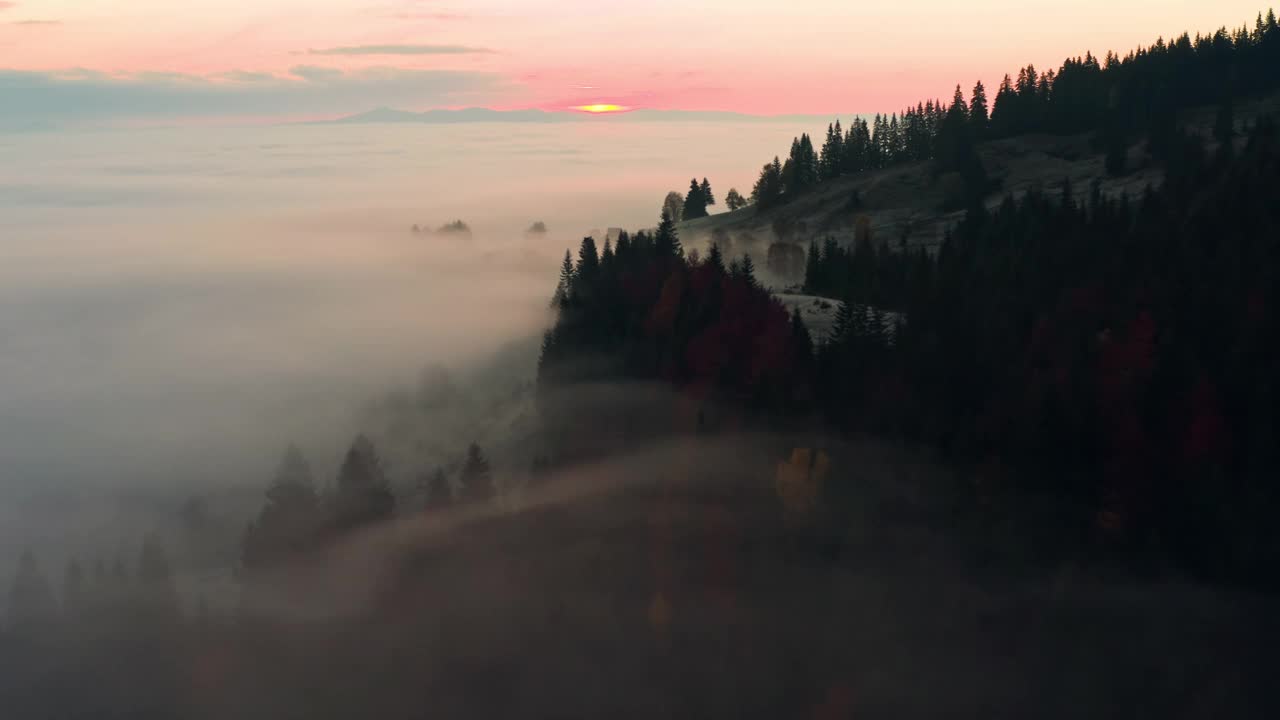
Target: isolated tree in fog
31, 598
733, 200
666, 242
708, 197
477, 476
439, 492
363, 494
673, 205
288, 522
695, 202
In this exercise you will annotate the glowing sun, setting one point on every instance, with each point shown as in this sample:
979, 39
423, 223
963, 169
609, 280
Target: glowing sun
601, 108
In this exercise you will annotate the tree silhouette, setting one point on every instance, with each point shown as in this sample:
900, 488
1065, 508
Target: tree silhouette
288, 523
733, 200
666, 242
477, 477
707, 196
673, 205
695, 202
362, 494
439, 491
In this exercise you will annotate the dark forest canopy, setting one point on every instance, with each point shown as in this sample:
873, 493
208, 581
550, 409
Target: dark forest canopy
1116, 98
1116, 354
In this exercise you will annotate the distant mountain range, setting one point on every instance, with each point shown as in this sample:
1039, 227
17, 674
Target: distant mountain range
479, 115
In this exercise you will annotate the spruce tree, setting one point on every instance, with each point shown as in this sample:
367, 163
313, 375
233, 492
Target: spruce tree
362, 495
707, 196
748, 270
439, 492
695, 203
666, 242
715, 258
565, 287
588, 261
477, 477
978, 114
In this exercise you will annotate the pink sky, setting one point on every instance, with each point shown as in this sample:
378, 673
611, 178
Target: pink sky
757, 56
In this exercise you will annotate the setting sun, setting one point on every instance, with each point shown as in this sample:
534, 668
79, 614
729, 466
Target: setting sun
601, 108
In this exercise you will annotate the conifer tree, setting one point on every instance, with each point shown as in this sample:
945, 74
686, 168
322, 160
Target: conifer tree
748, 270
715, 258
978, 114
666, 242
588, 261
563, 289
439, 491
708, 197
695, 203
477, 477
362, 494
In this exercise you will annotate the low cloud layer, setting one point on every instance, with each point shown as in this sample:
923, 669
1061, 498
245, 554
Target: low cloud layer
402, 50
79, 96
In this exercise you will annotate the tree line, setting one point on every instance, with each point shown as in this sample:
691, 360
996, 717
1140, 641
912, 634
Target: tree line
1116, 355
1116, 98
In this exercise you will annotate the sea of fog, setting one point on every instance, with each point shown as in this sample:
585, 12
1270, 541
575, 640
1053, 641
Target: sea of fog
179, 304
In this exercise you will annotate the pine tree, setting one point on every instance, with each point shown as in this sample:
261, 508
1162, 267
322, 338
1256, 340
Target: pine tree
748, 270
978, 117
588, 261
695, 203
362, 495
477, 477
707, 196
439, 492
565, 287
801, 341
666, 242
769, 187
812, 269
288, 522
715, 258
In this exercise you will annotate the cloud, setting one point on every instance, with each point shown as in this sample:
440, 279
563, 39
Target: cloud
6, 5
36, 23
38, 99
402, 50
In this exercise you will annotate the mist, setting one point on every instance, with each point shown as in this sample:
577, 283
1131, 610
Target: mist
177, 305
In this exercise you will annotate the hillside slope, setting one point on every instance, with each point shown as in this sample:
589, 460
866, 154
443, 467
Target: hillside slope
904, 203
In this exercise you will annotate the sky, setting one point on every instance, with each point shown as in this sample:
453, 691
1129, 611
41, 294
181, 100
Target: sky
84, 60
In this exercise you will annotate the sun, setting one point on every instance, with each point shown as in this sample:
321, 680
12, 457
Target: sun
601, 108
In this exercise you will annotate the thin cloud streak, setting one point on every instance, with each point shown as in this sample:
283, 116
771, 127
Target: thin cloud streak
402, 50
